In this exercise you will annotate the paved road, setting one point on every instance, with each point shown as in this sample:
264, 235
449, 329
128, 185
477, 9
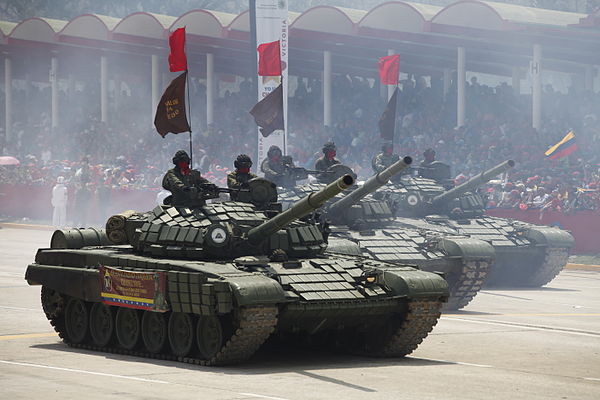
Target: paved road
507, 344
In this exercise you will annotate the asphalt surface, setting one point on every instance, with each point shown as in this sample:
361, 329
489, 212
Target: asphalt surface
507, 344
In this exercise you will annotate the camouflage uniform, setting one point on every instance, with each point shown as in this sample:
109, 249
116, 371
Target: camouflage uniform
323, 164
382, 161
274, 171
239, 180
177, 183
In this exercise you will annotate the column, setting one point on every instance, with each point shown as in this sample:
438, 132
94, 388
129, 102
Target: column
54, 86
461, 76
210, 88
103, 89
516, 80
536, 91
327, 88
155, 87
8, 97
447, 81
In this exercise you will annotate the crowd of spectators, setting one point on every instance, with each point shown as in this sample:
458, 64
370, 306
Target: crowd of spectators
126, 152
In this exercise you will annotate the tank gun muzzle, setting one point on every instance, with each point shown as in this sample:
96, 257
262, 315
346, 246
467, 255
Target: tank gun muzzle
302, 208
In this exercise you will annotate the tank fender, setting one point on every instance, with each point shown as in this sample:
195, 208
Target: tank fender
412, 283
255, 289
467, 248
82, 283
549, 236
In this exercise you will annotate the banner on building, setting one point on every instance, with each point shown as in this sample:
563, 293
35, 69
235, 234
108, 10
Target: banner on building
140, 290
272, 26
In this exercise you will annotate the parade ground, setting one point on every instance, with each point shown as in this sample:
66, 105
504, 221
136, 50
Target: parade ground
506, 344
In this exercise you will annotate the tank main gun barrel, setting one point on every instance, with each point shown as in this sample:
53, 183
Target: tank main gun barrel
370, 186
302, 208
472, 183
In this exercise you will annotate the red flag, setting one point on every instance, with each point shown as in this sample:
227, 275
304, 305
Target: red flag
269, 59
389, 67
177, 58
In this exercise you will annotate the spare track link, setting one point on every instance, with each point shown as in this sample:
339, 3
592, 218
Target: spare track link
469, 282
255, 326
555, 259
420, 319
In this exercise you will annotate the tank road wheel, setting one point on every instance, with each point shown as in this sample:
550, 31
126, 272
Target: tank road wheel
102, 324
128, 328
181, 333
209, 336
76, 321
53, 303
154, 331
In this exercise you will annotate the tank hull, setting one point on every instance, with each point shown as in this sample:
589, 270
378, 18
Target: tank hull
217, 313
376, 234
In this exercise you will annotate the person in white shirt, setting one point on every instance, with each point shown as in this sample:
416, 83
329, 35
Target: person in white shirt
59, 202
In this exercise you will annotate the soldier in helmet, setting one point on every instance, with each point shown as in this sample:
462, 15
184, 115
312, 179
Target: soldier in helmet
239, 178
429, 157
384, 159
328, 159
181, 179
273, 166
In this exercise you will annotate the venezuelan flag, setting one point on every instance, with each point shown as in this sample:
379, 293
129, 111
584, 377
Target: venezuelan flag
563, 148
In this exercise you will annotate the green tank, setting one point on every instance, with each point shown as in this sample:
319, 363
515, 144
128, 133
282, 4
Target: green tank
363, 225
527, 255
208, 285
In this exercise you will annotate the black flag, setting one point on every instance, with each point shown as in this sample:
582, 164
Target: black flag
268, 113
170, 112
387, 122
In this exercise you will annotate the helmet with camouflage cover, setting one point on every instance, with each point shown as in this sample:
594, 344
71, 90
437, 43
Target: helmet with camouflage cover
243, 161
180, 156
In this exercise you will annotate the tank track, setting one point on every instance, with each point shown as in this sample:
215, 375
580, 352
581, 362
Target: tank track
555, 259
532, 274
255, 325
467, 284
420, 319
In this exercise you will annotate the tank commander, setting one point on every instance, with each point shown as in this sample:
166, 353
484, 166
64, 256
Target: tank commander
239, 178
327, 160
185, 184
273, 166
429, 157
384, 159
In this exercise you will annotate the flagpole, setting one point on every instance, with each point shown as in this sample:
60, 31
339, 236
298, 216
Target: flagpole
187, 80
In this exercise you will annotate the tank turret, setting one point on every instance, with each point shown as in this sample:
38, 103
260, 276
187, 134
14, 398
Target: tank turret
472, 183
302, 208
368, 187
417, 197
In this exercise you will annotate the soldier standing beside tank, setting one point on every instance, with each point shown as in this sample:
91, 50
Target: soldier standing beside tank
181, 181
384, 159
327, 160
239, 178
273, 166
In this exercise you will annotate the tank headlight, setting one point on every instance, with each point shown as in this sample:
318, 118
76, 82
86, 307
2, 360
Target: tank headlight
371, 279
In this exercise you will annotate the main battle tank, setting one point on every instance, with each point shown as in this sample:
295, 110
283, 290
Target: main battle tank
362, 225
527, 255
208, 285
